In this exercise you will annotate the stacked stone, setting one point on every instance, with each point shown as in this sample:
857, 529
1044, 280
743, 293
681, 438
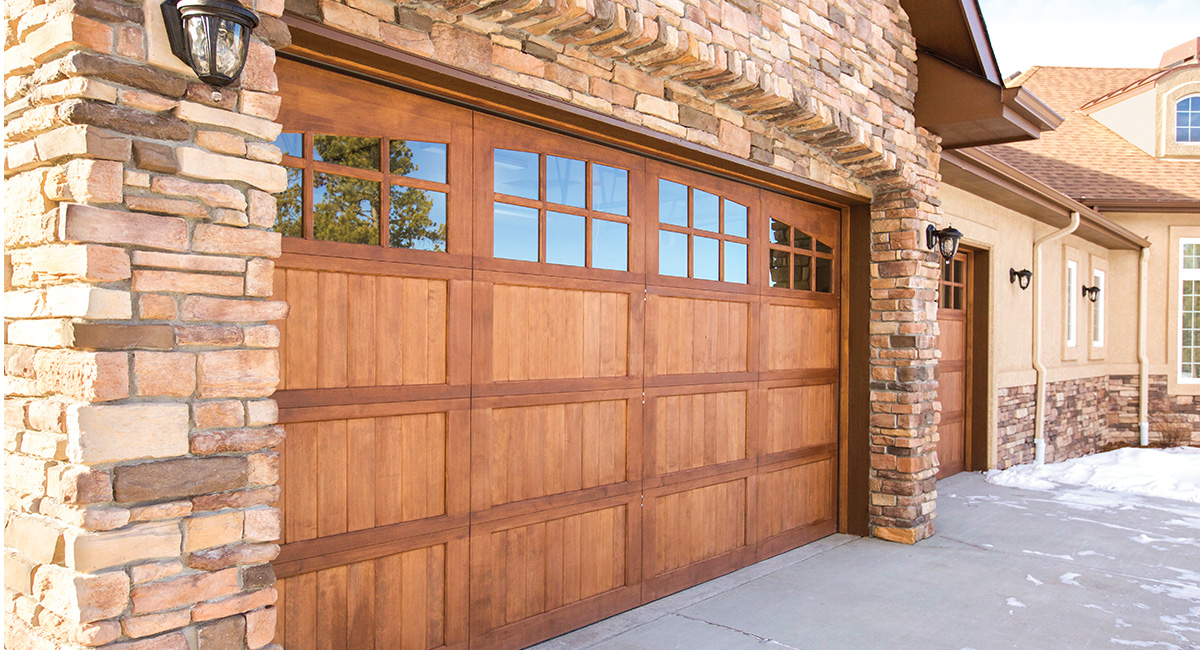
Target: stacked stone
817, 89
1015, 408
1076, 417
140, 356
1165, 409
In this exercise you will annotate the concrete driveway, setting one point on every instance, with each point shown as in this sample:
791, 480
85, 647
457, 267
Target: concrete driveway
1056, 570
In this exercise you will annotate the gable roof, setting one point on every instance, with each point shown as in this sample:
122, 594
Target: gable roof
1085, 159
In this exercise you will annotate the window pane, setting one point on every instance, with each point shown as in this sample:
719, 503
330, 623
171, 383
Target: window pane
824, 280
566, 181
735, 262
291, 144
672, 203
423, 160
822, 247
803, 240
565, 238
515, 232
781, 233
516, 173
735, 219
290, 205
610, 245
1191, 256
706, 211
350, 151
417, 219
802, 276
610, 190
781, 268
345, 209
672, 253
706, 265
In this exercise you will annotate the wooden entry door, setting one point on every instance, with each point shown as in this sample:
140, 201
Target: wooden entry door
531, 381
954, 372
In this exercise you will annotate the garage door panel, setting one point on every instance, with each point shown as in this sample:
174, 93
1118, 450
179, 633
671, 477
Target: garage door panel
533, 451
523, 570
554, 333
699, 430
801, 416
698, 523
341, 476
351, 330
406, 600
796, 497
694, 336
801, 337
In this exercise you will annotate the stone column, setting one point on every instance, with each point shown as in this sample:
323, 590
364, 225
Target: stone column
904, 303
140, 358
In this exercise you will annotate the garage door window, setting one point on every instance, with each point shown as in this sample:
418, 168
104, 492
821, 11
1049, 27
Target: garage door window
560, 210
701, 235
799, 260
335, 190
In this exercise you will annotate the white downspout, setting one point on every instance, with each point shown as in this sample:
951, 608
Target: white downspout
1039, 423
1143, 360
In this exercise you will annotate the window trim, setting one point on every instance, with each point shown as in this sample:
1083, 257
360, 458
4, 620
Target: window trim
1099, 308
1177, 290
1071, 315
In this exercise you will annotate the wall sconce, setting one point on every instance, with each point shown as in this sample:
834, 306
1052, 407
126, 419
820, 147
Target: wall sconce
211, 36
945, 241
1091, 293
1021, 277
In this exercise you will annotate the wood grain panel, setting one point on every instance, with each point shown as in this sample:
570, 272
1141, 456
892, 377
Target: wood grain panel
697, 430
698, 524
551, 333
528, 570
692, 335
338, 607
952, 392
795, 497
527, 452
347, 475
952, 340
801, 337
801, 416
352, 330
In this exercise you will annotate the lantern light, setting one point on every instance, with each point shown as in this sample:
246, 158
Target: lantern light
1091, 293
1021, 277
945, 241
211, 36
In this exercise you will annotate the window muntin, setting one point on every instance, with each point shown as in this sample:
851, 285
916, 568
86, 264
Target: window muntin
798, 260
1189, 311
1187, 119
701, 235
952, 292
347, 189
559, 210
1098, 309
1072, 306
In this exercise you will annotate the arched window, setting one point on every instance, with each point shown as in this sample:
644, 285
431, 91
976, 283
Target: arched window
1187, 119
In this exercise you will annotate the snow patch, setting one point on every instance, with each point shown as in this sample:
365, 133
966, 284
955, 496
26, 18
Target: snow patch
1069, 579
1013, 602
1060, 557
1164, 473
1034, 580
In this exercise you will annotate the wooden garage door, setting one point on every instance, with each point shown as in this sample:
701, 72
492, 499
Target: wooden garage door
953, 367
529, 381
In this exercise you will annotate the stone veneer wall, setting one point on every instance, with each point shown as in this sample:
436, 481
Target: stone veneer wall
139, 360
1083, 415
824, 90
1163, 408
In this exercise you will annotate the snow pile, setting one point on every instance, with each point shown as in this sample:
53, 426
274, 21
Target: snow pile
1166, 473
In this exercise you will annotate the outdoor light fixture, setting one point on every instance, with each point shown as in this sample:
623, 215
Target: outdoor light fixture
1091, 293
945, 241
211, 36
1021, 277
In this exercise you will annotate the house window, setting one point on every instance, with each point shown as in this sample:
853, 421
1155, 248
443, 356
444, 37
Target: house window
701, 235
1072, 302
1187, 119
1098, 310
1189, 311
352, 189
559, 210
